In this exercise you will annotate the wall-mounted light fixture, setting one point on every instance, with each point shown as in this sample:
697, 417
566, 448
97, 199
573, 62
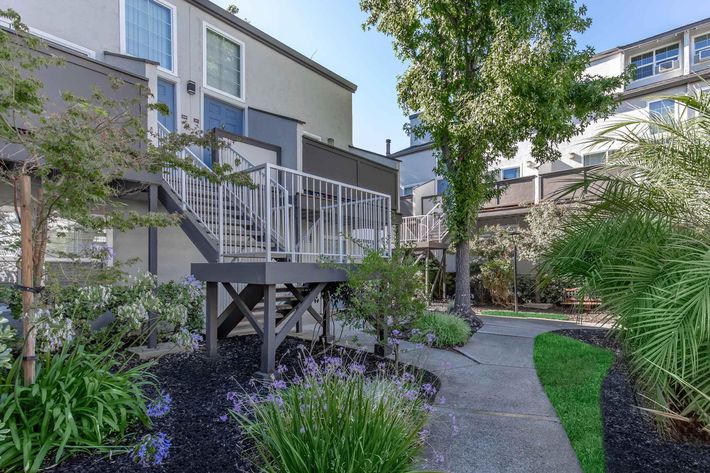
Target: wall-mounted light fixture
191, 87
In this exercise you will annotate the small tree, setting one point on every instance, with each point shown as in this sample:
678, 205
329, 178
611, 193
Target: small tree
384, 296
71, 162
486, 75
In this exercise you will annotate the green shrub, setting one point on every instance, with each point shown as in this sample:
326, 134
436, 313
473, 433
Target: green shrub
80, 401
550, 291
335, 420
449, 330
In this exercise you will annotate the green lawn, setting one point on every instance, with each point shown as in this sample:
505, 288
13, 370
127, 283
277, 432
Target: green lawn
572, 373
510, 313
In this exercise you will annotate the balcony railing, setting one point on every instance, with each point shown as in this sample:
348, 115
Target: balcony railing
285, 215
424, 228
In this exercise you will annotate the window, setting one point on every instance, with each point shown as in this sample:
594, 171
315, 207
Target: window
510, 173
149, 31
593, 159
701, 46
441, 186
223, 63
661, 109
656, 62
408, 190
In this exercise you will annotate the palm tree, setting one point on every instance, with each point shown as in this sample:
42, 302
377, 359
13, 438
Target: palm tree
642, 243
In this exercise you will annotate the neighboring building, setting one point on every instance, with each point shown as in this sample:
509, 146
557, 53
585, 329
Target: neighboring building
670, 63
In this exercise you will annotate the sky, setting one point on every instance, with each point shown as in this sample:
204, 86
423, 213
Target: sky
330, 32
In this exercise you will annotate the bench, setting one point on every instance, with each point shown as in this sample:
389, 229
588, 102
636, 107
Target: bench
571, 298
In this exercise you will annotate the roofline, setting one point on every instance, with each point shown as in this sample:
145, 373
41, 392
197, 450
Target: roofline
412, 149
347, 152
375, 153
297, 120
677, 30
666, 84
272, 42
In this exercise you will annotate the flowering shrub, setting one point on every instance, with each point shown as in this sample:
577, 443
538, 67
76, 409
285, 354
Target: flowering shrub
52, 331
69, 311
152, 449
335, 419
7, 337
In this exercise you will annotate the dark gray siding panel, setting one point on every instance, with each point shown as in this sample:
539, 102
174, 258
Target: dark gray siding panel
275, 130
334, 163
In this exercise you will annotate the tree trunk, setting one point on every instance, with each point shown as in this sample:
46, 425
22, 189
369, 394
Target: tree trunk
462, 299
28, 348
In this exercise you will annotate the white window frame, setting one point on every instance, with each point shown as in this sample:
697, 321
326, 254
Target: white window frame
605, 153
648, 109
242, 63
520, 173
693, 51
655, 63
173, 34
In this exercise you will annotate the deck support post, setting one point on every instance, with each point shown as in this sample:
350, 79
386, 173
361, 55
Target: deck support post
268, 343
153, 264
212, 313
325, 337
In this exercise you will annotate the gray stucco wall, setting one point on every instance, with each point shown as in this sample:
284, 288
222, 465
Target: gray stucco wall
273, 81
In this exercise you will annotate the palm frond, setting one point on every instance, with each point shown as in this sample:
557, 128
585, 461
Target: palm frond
642, 243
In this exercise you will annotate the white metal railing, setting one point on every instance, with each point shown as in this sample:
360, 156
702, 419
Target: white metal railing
286, 214
422, 228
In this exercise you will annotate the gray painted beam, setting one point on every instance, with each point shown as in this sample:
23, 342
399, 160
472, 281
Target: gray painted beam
268, 340
298, 312
299, 296
211, 315
244, 308
267, 273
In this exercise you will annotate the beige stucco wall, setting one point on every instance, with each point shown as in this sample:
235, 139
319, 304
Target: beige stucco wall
175, 251
273, 82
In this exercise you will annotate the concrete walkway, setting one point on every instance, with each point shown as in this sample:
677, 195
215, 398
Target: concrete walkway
492, 414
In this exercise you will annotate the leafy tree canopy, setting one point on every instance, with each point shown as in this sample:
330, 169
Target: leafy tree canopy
486, 75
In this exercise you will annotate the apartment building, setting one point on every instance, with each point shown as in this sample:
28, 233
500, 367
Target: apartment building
670, 63
216, 71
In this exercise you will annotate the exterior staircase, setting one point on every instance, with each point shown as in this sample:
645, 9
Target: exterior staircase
285, 216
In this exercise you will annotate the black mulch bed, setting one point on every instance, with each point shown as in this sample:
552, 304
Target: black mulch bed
198, 386
631, 440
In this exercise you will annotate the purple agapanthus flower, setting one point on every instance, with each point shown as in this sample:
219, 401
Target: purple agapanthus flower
152, 450
279, 384
332, 362
161, 406
197, 339
428, 389
410, 394
357, 368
